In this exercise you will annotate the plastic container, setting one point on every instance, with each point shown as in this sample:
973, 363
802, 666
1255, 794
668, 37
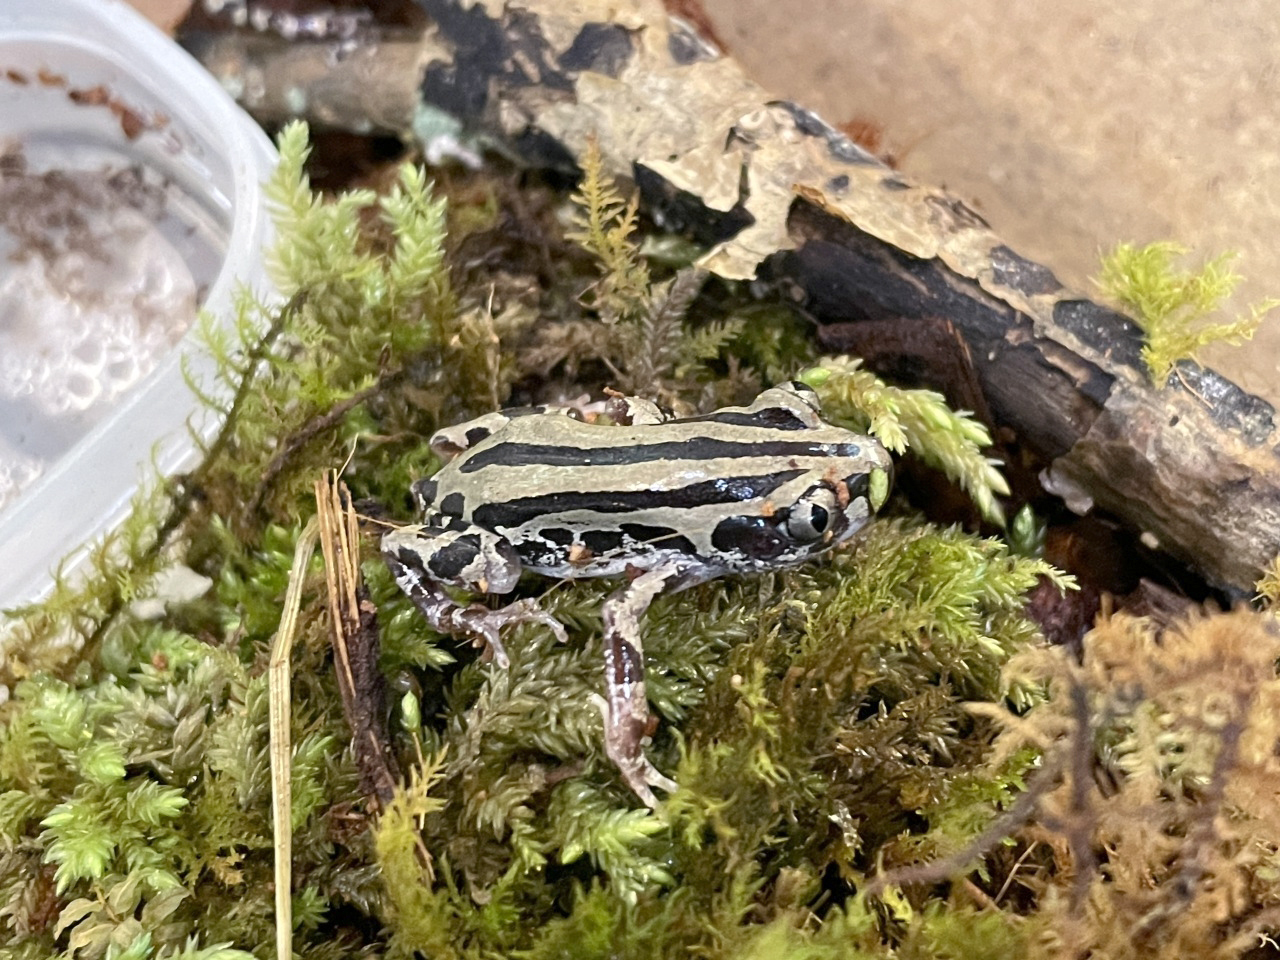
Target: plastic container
130, 197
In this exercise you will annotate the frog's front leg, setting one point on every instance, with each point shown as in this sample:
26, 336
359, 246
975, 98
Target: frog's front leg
423, 559
625, 707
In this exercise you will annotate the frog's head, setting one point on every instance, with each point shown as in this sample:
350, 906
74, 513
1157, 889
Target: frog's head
810, 513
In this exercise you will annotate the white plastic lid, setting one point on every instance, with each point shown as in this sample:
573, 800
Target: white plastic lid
94, 73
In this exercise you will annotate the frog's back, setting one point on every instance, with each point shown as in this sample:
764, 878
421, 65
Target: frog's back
589, 465
582, 499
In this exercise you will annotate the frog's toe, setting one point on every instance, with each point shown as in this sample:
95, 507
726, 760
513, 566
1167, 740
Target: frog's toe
486, 624
493, 644
623, 743
555, 625
528, 611
655, 778
640, 775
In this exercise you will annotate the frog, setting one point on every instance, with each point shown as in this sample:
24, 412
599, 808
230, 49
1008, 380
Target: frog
628, 490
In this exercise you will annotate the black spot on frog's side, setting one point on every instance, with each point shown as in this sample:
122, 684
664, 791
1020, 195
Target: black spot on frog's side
538, 553
448, 562
453, 504
424, 493
476, 434
755, 537
601, 542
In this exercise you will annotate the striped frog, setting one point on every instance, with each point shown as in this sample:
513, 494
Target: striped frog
665, 502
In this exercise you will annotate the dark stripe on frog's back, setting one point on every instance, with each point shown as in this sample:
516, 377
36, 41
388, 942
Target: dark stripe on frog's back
696, 448
773, 418
517, 511
561, 441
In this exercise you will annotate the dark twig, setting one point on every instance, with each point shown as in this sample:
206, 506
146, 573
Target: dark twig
354, 622
308, 432
253, 361
183, 491
1202, 831
1079, 828
936, 871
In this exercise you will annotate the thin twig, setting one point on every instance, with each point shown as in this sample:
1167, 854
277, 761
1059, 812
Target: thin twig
938, 870
308, 432
1080, 825
1013, 871
255, 358
184, 490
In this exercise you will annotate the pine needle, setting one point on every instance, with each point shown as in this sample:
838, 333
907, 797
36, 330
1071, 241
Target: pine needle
281, 747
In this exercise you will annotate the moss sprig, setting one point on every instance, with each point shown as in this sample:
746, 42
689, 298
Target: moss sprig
1173, 306
1268, 585
919, 420
653, 351
604, 225
356, 315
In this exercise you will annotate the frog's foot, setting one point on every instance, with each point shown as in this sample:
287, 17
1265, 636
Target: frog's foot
425, 557
624, 739
484, 623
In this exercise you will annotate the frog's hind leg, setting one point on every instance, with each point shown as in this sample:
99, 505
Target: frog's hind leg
625, 707
424, 559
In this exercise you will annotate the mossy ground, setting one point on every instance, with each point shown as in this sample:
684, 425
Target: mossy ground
834, 729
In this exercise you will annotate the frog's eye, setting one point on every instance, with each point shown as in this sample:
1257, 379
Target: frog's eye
812, 515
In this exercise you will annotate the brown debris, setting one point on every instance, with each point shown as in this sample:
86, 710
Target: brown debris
354, 624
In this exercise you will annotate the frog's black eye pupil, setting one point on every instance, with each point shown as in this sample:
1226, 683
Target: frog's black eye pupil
818, 519
808, 520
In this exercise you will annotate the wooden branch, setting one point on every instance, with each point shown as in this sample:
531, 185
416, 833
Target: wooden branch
1193, 468
775, 192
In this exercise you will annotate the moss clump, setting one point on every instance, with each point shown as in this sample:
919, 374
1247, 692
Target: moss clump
837, 731
821, 738
1162, 823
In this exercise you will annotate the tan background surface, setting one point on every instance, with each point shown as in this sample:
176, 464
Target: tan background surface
1069, 126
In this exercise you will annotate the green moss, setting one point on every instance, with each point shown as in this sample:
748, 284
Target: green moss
827, 725
918, 420
1173, 306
